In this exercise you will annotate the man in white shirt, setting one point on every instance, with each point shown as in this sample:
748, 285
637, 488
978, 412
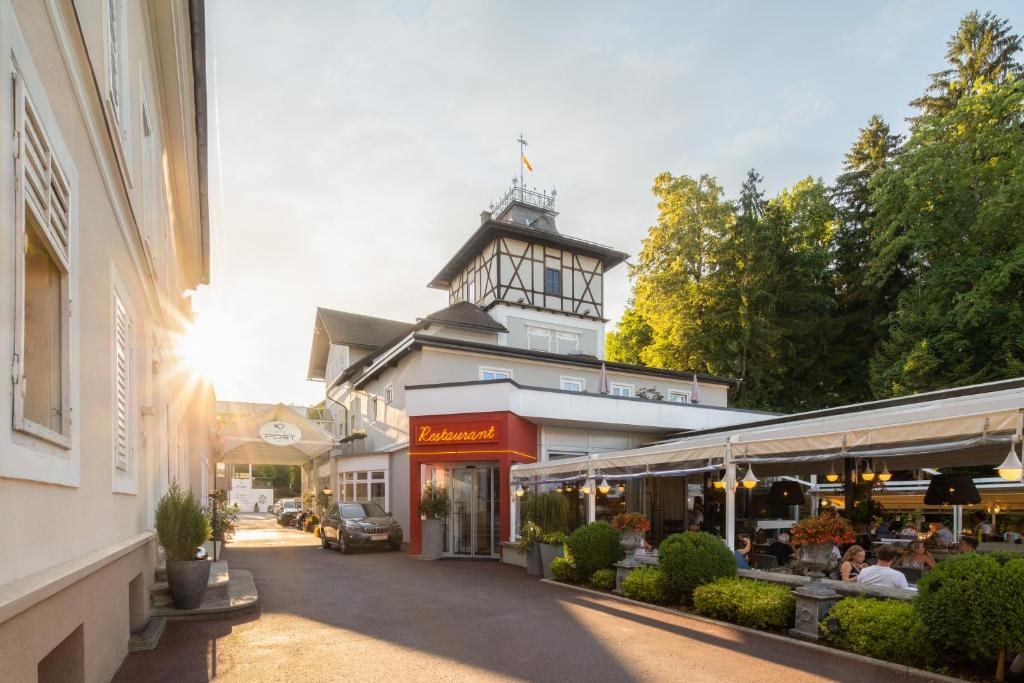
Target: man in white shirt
882, 574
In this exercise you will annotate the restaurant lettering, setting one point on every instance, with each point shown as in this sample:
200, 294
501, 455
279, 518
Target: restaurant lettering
463, 433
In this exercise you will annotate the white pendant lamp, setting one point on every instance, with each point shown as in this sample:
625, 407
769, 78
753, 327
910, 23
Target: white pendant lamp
885, 474
832, 476
520, 491
867, 474
1011, 469
749, 481
603, 487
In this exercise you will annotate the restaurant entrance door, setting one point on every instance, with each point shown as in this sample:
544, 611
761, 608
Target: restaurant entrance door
473, 525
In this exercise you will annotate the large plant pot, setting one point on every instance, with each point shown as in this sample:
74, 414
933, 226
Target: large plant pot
816, 557
630, 540
431, 539
213, 549
548, 553
534, 564
186, 581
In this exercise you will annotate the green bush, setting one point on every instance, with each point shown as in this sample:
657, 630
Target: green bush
181, 523
973, 605
434, 502
646, 584
563, 569
554, 538
592, 547
603, 579
692, 559
756, 604
883, 629
529, 534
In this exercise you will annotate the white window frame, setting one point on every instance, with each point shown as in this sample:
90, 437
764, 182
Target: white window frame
60, 253
559, 335
115, 22
504, 371
563, 380
471, 291
124, 464
683, 396
534, 331
621, 386
389, 394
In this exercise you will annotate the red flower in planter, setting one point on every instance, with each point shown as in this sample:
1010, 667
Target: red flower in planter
631, 521
828, 527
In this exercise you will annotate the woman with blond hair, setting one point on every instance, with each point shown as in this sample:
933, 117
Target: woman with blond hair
916, 557
852, 563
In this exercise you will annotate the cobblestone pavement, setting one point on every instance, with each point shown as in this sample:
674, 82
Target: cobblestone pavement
377, 616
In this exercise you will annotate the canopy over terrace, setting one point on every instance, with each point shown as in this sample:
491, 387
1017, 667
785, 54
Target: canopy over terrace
966, 426
275, 436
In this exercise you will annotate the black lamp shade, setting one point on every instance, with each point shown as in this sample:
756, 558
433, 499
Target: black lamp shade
786, 493
952, 489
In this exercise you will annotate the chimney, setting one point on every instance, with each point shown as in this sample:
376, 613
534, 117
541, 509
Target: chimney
484, 217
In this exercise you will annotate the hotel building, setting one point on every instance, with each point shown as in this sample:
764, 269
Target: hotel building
511, 371
104, 229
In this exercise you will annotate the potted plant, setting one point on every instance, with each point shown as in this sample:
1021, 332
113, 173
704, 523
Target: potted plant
434, 509
632, 527
552, 545
181, 527
816, 536
527, 543
223, 520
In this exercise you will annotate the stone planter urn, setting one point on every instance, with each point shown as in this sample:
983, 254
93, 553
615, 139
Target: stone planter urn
630, 540
186, 582
816, 557
431, 539
548, 553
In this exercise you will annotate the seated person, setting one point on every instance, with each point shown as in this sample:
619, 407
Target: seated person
940, 533
781, 549
1012, 534
968, 544
852, 563
741, 552
882, 574
883, 530
917, 557
909, 531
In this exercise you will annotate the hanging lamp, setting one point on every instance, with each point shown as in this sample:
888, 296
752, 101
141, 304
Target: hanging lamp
785, 493
885, 474
1011, 469
952, 489
867, 473
832, 476
603, 487
520, 491
749, 481
622, 487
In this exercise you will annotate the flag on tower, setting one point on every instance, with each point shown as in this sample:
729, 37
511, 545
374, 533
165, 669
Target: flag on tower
526, 162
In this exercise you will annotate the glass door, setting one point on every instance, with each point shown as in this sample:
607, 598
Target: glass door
473, 522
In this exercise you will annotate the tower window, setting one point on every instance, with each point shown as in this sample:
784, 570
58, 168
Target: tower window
553, 281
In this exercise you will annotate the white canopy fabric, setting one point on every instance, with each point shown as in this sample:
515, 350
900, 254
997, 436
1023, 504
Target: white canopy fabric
240, 442
972, 425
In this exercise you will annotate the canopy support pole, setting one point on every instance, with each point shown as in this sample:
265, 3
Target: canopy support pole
848, 488
730, 498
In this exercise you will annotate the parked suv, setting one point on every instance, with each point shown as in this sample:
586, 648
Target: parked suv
290, 509
359, 525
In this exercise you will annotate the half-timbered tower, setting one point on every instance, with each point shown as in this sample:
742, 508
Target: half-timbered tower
546, 288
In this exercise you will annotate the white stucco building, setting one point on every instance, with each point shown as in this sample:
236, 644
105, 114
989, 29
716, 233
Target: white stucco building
104, 230
511, 371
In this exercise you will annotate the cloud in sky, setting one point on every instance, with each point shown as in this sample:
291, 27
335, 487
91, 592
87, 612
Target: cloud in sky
355, 143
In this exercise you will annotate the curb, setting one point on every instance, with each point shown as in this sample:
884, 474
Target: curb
820, 649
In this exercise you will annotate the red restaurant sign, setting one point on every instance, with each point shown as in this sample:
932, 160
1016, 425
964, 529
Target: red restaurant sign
460, 432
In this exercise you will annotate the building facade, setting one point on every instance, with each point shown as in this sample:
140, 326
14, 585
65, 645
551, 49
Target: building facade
512, 371
104, 231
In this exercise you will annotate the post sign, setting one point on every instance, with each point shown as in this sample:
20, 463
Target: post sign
435, 434
280, 433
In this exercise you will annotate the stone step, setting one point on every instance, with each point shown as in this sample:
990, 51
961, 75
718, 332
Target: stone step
241, 598
216, 587
149, 637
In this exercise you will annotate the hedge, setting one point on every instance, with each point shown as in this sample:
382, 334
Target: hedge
592, 547
646, 584
756, 604
603, 579
563, 570
692, 559
883, 629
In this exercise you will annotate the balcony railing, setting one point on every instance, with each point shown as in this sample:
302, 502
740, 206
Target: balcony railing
541, 200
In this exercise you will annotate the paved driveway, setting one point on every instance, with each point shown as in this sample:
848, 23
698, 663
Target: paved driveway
383, 616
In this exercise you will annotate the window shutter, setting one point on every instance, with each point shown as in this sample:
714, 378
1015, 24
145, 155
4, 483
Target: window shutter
122, 386
45, 186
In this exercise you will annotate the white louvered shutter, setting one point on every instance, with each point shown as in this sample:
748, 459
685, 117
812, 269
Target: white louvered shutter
122, 386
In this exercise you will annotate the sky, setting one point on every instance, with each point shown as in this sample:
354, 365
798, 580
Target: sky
354, 144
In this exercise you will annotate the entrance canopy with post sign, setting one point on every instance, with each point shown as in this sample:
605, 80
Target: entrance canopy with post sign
276, 436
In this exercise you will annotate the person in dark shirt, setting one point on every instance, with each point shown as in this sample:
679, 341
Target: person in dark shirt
781, 549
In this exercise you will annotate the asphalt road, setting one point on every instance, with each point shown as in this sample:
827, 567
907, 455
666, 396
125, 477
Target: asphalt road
383, 616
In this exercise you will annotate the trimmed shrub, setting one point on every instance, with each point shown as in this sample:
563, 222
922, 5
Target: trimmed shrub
592, 547
603, 579
692, 559
883, 629
756, 604
554, 538
563, 569
646, 584
974, 606
181, 523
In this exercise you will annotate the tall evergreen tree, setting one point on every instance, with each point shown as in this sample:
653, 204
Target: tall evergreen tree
983, 50
860, 309
949, 222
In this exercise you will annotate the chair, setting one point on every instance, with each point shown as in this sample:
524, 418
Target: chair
913, 574
763, 561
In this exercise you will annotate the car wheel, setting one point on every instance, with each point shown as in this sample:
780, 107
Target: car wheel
323, 540
342, 547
